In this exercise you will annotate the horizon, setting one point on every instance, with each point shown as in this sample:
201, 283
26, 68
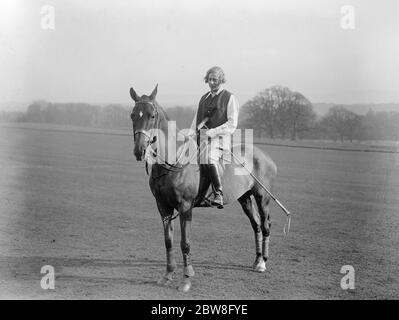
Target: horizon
368, 105
25, 104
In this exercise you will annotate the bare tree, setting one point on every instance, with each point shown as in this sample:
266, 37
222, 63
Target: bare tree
259, 113
279, 110
301, 116
281, 97
342, 123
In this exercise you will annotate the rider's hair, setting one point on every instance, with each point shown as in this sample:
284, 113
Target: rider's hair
219, 73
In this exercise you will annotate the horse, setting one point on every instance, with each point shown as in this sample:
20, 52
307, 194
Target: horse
175, 187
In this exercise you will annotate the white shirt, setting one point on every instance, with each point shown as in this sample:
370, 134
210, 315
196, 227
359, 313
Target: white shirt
230, 125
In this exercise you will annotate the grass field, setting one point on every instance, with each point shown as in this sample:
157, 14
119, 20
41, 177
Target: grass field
81, 203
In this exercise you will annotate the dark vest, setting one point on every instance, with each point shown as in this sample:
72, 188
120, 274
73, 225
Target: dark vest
214, 108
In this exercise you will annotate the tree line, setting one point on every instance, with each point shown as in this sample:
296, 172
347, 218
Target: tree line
275, 112
278, 112
85, 114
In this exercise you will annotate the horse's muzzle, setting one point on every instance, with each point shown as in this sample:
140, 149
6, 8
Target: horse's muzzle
139, 155
140, 146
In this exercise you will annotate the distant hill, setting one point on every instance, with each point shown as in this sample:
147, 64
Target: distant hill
321, 108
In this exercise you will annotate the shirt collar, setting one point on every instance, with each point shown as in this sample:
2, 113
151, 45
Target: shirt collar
215, 94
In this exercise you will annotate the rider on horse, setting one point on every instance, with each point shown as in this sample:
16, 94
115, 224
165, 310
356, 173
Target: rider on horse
215, 120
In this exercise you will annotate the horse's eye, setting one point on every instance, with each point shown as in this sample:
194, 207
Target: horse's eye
153, 116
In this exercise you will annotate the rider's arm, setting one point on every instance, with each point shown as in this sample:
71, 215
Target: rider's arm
232, 120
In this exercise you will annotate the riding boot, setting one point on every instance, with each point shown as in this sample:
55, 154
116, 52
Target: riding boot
217, 199
200, 200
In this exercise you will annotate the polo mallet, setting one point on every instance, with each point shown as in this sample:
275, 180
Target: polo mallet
287, 224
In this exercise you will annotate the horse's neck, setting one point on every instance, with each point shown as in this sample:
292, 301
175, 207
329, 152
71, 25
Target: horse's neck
164, 134
170, 139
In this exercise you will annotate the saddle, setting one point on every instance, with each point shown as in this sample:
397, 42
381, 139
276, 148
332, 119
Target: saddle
234, 178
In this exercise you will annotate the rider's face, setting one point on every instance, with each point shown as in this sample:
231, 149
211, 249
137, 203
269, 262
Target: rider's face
214, 81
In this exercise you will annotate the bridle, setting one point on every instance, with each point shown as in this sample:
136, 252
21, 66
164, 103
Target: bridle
152, 138
142, 131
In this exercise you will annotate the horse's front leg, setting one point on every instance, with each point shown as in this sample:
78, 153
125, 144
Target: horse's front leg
185, 226
168, 227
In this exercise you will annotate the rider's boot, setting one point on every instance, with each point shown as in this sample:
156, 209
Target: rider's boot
201, 201
217, 196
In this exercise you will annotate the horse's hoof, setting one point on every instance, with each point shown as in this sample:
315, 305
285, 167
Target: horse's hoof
166, 279
185, 286
260, 267
189, 271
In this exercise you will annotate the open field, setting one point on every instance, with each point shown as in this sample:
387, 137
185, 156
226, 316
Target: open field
81, 203
365, 146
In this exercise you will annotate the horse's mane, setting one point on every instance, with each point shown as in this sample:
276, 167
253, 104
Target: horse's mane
160, 109
186, 144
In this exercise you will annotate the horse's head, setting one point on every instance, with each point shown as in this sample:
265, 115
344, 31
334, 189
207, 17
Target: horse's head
144, 117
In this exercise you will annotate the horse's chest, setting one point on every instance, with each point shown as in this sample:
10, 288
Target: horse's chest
173, 189
163, 190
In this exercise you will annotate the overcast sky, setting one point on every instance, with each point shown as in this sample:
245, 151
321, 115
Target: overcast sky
99, 49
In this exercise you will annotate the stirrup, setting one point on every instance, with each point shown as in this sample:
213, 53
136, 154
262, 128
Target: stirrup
204, 203
219, 205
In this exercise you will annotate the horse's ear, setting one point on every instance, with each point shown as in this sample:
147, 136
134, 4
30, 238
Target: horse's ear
134, 95
154, 93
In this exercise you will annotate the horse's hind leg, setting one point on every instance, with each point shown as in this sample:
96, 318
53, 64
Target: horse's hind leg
262, 201
168, 226
247, 205
185, 226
